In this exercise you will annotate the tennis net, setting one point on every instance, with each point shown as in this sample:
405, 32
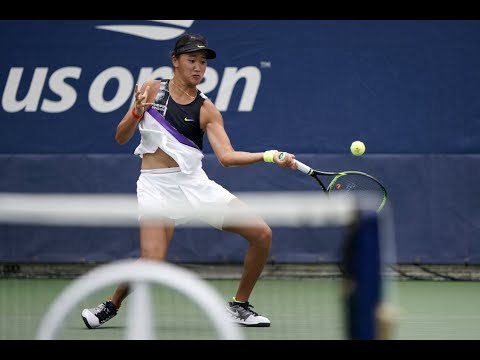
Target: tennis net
339, 230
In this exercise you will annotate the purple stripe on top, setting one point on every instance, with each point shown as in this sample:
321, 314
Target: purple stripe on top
180, 137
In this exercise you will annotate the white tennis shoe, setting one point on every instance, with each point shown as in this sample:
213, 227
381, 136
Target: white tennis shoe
95, 317
242, 313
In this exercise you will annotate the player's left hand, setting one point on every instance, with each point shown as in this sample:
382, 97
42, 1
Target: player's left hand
141, 99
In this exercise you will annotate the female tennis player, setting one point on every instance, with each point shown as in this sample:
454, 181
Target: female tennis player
172, 117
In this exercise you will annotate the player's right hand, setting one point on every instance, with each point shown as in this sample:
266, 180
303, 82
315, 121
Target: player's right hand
285, 160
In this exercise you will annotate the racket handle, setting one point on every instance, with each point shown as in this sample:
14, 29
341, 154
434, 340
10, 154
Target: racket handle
303, 168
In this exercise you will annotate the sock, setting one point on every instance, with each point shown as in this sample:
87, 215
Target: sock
239, 302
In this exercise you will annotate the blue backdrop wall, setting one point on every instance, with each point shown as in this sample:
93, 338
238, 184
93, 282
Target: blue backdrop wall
408, 89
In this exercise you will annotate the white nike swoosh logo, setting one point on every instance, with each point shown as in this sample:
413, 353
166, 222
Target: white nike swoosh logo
151, 32
187, 119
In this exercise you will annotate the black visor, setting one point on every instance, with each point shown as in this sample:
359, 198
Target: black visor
193, 42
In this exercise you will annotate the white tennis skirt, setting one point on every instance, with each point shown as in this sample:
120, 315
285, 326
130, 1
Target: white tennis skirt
169, 188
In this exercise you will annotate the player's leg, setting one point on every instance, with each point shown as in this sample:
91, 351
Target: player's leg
154, 240
154, 190
259, 237
204, 192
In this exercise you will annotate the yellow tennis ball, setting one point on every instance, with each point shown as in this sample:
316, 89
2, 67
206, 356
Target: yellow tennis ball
357, 148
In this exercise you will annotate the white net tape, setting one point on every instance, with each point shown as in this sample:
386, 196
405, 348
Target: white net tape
277, 208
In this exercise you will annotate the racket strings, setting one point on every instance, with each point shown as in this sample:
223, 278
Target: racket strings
362, 185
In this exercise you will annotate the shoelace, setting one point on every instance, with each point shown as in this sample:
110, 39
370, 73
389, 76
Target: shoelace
104, 313
247, 306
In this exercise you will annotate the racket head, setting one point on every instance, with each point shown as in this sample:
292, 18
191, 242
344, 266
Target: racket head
359, 181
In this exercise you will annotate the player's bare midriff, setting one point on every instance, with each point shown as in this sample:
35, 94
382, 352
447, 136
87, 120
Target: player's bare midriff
157, 160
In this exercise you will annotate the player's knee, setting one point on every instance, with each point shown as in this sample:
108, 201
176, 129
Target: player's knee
264, 237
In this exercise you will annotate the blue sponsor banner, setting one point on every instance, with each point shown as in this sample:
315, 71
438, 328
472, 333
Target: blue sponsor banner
309, 86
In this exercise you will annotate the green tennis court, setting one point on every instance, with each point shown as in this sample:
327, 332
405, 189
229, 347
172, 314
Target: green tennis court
300, 308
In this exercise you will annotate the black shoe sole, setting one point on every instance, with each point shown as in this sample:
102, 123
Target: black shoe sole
86, 323
256, 325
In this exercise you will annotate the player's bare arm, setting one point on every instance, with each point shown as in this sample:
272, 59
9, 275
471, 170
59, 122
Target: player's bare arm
142, 99
213, 124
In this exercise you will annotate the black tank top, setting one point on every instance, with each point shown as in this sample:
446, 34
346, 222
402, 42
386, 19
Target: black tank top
184, 118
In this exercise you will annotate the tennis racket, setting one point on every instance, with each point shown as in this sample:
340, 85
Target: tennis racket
348, 181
